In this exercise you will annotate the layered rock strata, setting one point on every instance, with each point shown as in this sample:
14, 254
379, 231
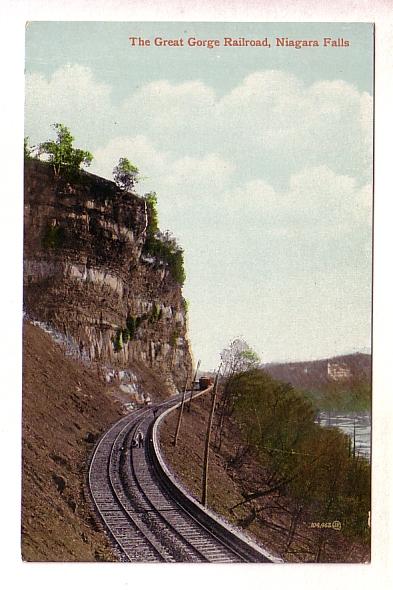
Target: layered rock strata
86, 273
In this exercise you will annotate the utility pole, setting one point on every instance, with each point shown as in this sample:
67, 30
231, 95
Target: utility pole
192, 385
180, 412
207, 442
354, 435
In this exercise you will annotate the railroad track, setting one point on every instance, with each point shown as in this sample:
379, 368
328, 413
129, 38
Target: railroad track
146, 512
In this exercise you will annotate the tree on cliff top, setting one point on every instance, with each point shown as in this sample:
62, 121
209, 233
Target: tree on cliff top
27, 150
125, 174
61, 153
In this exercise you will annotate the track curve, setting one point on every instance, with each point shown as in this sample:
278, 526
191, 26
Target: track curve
145, 510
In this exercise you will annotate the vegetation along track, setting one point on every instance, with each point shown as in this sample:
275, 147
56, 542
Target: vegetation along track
150, 518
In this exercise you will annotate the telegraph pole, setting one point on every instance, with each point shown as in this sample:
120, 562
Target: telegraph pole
354, 436
180, 412
192, 385
207, 442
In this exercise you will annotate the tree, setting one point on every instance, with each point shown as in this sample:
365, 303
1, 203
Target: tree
306, 461
239, 357
27, 150
151, 201
61, 153
163, 246
236, 359
125, 174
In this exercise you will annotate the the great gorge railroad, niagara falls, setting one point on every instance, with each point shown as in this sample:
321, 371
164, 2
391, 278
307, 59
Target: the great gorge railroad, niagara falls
146, 512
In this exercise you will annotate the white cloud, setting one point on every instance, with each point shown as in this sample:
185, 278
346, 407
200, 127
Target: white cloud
71, 96
267, 188
271, 124
287, 124
209, 173
317, 211
181, 180
161, 107
316, 199
138, 149
266, 107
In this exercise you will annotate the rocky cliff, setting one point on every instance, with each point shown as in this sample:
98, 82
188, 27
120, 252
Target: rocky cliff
87, 273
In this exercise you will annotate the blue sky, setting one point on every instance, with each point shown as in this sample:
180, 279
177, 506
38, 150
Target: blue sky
261, 159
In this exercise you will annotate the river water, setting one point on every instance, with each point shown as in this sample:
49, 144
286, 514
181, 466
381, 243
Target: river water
352, 423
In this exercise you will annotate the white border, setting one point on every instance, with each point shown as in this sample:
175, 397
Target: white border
13, 14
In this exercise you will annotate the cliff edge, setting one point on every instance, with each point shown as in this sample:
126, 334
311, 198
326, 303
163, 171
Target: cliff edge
88, 273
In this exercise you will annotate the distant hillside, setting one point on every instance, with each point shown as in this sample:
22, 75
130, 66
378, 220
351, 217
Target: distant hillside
316, 375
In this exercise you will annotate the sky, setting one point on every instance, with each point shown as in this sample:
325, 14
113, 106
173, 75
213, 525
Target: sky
261, 159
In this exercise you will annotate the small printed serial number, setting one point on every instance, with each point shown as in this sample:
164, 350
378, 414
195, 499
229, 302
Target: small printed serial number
335, 524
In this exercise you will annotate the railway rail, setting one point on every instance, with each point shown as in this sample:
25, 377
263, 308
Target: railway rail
146, 512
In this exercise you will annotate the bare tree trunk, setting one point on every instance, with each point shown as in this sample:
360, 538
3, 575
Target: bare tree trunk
292, 529
207, 443
321, 546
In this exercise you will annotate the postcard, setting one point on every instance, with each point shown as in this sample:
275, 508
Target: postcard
198, 240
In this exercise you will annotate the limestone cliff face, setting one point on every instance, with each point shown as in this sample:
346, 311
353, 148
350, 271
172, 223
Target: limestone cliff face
86, 274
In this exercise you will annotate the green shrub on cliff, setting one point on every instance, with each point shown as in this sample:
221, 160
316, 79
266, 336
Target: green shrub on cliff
27, 150
63, 156
156, 313
164, 247
174, 336
125, 174
126, 335
53, 237
177, 266
160, 245
131, 323
118, 341
152, 228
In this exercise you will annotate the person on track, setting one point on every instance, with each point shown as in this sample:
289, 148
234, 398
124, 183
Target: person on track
140, 439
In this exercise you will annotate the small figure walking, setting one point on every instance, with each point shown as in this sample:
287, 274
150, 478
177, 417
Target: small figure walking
140, 439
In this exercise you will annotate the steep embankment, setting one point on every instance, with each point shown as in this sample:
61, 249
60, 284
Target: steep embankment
88, 271
98, 272
65, 408
234, 473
